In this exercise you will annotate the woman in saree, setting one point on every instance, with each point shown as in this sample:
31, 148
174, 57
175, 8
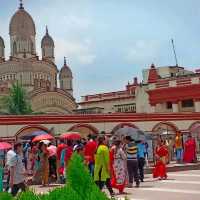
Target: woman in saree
45, 165
160, 168
190, 150
118, 167
37, 156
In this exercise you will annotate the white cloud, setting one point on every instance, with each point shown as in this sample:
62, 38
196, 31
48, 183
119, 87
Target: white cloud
78, 51
77, 21
143, 51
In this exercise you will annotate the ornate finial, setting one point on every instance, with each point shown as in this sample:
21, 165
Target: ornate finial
65, 63
21, 4
152, 66
47, 32
135, 81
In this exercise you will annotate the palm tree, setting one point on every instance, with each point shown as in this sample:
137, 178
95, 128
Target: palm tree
17, 102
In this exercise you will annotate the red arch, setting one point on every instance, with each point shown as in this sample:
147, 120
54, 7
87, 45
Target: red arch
173, 126
42, 128
90, 127
123, 125
193, 124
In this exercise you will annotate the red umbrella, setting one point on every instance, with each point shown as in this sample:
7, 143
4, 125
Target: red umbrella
5, 145
42, 137
71, 136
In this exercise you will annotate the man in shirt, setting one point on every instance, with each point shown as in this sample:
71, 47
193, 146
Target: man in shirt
132, 162
17, 171
10, 157
141, 158
179, 147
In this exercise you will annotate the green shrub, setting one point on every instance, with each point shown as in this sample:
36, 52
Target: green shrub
5, 196
95, 193
79, 179
28, 195
66, 193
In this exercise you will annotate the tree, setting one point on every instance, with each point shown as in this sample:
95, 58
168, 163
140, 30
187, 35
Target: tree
17, 101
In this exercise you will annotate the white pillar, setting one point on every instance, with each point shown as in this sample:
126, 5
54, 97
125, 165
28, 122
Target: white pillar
153, 108
175, 107
197, 106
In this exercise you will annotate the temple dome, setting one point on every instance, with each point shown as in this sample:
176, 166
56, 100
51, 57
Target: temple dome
65, 71
47, 40
22, 24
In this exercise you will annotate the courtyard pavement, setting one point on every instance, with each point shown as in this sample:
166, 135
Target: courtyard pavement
184, 185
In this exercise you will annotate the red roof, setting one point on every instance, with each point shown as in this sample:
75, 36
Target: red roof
174, 93
153, 75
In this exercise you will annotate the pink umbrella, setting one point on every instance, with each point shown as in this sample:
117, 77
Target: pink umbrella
71, 136
52, 150
5, 145
42, 137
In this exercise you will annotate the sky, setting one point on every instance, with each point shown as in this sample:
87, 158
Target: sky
109, 42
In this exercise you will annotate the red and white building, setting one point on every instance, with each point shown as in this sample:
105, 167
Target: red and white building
170, 89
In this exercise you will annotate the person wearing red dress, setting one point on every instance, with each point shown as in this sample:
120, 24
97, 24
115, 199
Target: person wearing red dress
89, 152
189, 150
68, 152
60, 147
160, 168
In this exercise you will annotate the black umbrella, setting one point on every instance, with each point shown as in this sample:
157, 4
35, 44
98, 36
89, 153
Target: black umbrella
136, 134
32, 135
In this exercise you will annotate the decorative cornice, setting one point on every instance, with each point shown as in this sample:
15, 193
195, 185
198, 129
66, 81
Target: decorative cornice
106, 100
96, 118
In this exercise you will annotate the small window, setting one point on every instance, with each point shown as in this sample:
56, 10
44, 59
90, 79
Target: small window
169, 105
187, 103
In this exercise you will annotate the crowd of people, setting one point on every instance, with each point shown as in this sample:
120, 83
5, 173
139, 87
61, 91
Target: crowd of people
116, 163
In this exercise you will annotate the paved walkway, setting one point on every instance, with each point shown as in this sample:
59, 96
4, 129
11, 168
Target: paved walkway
183, 185
180, 186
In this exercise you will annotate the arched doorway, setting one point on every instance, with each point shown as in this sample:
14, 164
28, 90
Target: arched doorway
84, 129
130, 129
194, 129
123, 125
30, 129
165, 131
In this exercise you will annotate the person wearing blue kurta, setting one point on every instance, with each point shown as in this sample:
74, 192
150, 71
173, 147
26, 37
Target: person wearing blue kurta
1, 175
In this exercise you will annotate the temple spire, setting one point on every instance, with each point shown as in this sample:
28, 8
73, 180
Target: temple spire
21, 6
47, 31
65, 62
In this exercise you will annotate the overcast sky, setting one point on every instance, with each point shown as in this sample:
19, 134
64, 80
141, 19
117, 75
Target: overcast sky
108, 42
